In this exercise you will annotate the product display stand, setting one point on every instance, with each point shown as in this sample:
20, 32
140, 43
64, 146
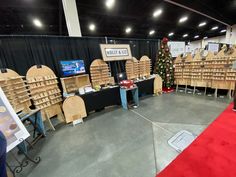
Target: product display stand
99, 73
157, 85
187, 68
132, 68
123, 96
144, 66
207, 70
74, 108
15, 89
45, 92
178, 65
200, 75
73, 83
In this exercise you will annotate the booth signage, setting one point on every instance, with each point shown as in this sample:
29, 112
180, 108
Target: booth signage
176, 48
115, 52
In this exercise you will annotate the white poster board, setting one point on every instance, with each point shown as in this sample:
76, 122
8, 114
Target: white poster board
213, 47
10, 124
115, 52
176, 48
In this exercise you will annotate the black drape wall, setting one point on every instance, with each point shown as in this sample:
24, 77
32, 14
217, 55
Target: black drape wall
21, 52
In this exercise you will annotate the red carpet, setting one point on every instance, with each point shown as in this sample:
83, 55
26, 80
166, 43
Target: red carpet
212, 154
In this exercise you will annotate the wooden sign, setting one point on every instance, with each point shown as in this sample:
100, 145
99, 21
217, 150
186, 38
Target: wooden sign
115, 52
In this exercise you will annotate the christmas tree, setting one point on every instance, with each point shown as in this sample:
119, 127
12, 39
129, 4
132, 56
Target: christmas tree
164, 65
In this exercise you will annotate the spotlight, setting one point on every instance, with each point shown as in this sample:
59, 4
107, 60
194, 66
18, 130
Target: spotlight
128, 30
157, 12
183, 19
185, 35
214, 28
202, 24
151, 32
223, 31
170, 34
92, 27
197, 36
37, 23
110, 3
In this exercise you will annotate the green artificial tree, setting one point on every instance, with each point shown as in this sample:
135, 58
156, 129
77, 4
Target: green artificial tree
164, 65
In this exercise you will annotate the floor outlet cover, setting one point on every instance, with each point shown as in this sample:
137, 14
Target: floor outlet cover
181, 140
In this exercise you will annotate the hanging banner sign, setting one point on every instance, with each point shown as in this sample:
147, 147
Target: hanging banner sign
10, 124
115, 52
176, 48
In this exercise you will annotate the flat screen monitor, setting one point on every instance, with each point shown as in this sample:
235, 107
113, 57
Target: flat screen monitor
72, 67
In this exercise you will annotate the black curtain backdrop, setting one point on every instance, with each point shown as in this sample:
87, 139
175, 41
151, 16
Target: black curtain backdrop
21, 52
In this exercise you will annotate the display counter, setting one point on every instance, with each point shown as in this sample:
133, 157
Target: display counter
95, 101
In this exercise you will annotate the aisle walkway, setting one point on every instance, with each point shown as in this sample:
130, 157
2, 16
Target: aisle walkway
119, 143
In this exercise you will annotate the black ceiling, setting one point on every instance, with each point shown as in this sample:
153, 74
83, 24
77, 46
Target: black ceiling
16, 17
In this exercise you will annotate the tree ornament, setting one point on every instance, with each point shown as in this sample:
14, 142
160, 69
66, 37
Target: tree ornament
165, 40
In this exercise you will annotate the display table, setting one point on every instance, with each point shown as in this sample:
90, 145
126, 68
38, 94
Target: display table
95, 101
145, 87
123, 96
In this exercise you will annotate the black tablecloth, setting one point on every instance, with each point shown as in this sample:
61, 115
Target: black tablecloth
101, 99
111, 96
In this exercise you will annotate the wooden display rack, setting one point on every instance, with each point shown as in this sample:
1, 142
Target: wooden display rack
15, 89
207, 70
99, 71
45, 92
144, 66
183, 70
132, 68
72, 84
201, 76
223, 76
157, 85
74, 108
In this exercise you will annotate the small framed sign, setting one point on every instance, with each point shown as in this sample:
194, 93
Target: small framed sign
115, 52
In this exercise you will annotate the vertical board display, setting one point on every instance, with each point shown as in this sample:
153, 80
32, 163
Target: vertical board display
132, 68
45, 92
99, 72
144, 66
15, 88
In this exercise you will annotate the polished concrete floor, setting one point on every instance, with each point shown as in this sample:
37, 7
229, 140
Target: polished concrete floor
121, 143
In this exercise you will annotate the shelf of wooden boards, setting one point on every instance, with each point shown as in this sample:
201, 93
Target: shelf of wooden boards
210, 70
41, 87
44, 89
15, 88
132, 68
73, 83
99, 72
144, 66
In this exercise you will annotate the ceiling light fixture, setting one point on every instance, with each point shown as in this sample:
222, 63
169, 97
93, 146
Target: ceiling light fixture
128, 30
171, 34
205, 37
202, 24
185, 35
151, 32
110, 3
223, 31
37, 23
157, 12
183, 19
214, 28
197, 36
92, 27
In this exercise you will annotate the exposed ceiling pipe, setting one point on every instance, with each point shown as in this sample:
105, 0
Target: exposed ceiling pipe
190, 9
